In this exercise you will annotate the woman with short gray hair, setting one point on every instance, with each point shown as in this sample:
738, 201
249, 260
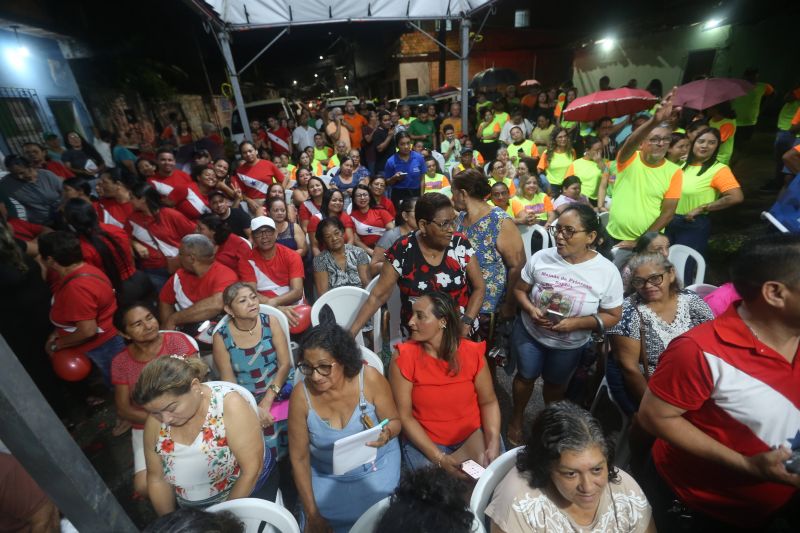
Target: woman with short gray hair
565, 480
657, 312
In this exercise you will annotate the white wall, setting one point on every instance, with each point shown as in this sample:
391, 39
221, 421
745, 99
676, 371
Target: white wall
415, 70
661, 55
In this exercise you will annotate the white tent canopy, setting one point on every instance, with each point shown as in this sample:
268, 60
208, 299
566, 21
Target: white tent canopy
249, 14
238, 15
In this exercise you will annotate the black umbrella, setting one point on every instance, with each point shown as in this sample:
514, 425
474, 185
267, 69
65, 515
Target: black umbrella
492, 77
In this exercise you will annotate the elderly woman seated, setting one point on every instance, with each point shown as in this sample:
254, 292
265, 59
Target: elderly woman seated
565, 480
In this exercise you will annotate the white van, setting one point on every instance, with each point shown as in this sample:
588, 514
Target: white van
259, 110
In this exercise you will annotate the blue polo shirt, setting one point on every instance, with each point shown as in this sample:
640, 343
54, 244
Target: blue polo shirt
414, 169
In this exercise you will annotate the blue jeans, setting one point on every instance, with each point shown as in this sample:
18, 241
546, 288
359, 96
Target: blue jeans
104, 354
694, 234
534, 359
158, 276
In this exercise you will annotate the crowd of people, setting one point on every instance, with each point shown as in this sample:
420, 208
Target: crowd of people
150, 275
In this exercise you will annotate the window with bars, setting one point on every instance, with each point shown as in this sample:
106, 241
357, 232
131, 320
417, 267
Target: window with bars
21, 118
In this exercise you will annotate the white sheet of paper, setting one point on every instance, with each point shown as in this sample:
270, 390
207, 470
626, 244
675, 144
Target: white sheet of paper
352, 451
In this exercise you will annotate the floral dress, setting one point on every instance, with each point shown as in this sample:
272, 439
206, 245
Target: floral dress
418, 277
203, 472
255, 369
483, 235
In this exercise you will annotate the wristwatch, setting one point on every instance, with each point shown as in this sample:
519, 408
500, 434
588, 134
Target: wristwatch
274, 388
468, 320
54, 346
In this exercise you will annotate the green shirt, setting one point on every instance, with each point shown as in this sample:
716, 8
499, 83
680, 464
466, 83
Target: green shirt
725, 126
426, 128
589, 173
747, 107
639, 190
700, 190
787, 113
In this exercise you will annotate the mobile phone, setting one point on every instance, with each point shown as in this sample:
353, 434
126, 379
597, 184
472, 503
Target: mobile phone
402, 173
472, 469
554, 316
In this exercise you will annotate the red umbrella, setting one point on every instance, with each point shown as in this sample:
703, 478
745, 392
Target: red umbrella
529, 83
702, 94
614, 103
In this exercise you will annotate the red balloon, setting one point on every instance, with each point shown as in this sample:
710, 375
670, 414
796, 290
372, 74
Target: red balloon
304, 322
71, 366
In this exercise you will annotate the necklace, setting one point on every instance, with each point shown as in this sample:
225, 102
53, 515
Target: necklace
249, 331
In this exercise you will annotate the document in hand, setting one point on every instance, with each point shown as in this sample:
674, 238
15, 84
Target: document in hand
351, 452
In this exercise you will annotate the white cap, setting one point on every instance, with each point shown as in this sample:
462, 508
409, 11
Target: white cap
259, 222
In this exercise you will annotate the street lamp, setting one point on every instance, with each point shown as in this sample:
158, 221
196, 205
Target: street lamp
712, 23
606, 44
16, 55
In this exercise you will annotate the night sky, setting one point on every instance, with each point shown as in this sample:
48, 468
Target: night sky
169, 35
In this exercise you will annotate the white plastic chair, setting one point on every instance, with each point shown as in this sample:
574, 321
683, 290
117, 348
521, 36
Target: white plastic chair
257, 513
282, 320
702, 289
394, 306
679, 254
603, 219
372, 283
527, 233
368, 521
372, 359
490, 478
244, 393
769, 217
345, 302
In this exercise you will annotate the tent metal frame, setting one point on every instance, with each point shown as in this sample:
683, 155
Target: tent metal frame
222, 33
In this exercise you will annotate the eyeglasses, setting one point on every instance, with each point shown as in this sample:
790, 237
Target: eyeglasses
659, 140
566, 231
654, 280
361, 195
447, 224
322, 370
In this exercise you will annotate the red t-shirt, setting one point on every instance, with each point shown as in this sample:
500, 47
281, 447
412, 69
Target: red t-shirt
309, 210
277, 139
232, 251
189, 200
186, 289
254, 180
125, 265
388, 205
742, 394
175, 179
161, 235
125, 370
110, 211
84, 294
370, 226
24, 230
346, 220
272, 276
445, 405
59, 169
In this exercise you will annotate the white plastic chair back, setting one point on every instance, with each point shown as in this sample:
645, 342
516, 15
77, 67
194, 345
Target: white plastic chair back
368, 521
255, 512
326, 178
493, 475
269, 311
372, 359
439, 159
527, 233
287, 194
603, 219
679, 254
345, 302
702, 289
372, 283
769, 217
394, 306
244, 393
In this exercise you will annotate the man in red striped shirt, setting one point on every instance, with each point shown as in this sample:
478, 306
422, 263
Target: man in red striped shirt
724, 403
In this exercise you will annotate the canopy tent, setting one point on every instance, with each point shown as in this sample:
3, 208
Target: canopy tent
240, 15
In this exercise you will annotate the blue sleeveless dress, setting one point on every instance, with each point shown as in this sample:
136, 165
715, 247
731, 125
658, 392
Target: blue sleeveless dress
343, 499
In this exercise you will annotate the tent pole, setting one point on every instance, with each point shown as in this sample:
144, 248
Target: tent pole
225, 46
464, 75
39, 441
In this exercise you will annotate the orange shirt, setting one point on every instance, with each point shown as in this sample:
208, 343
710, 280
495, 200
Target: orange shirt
445, 405
796, 118
356, 121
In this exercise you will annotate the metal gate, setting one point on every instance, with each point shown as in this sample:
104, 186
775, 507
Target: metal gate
21, 118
